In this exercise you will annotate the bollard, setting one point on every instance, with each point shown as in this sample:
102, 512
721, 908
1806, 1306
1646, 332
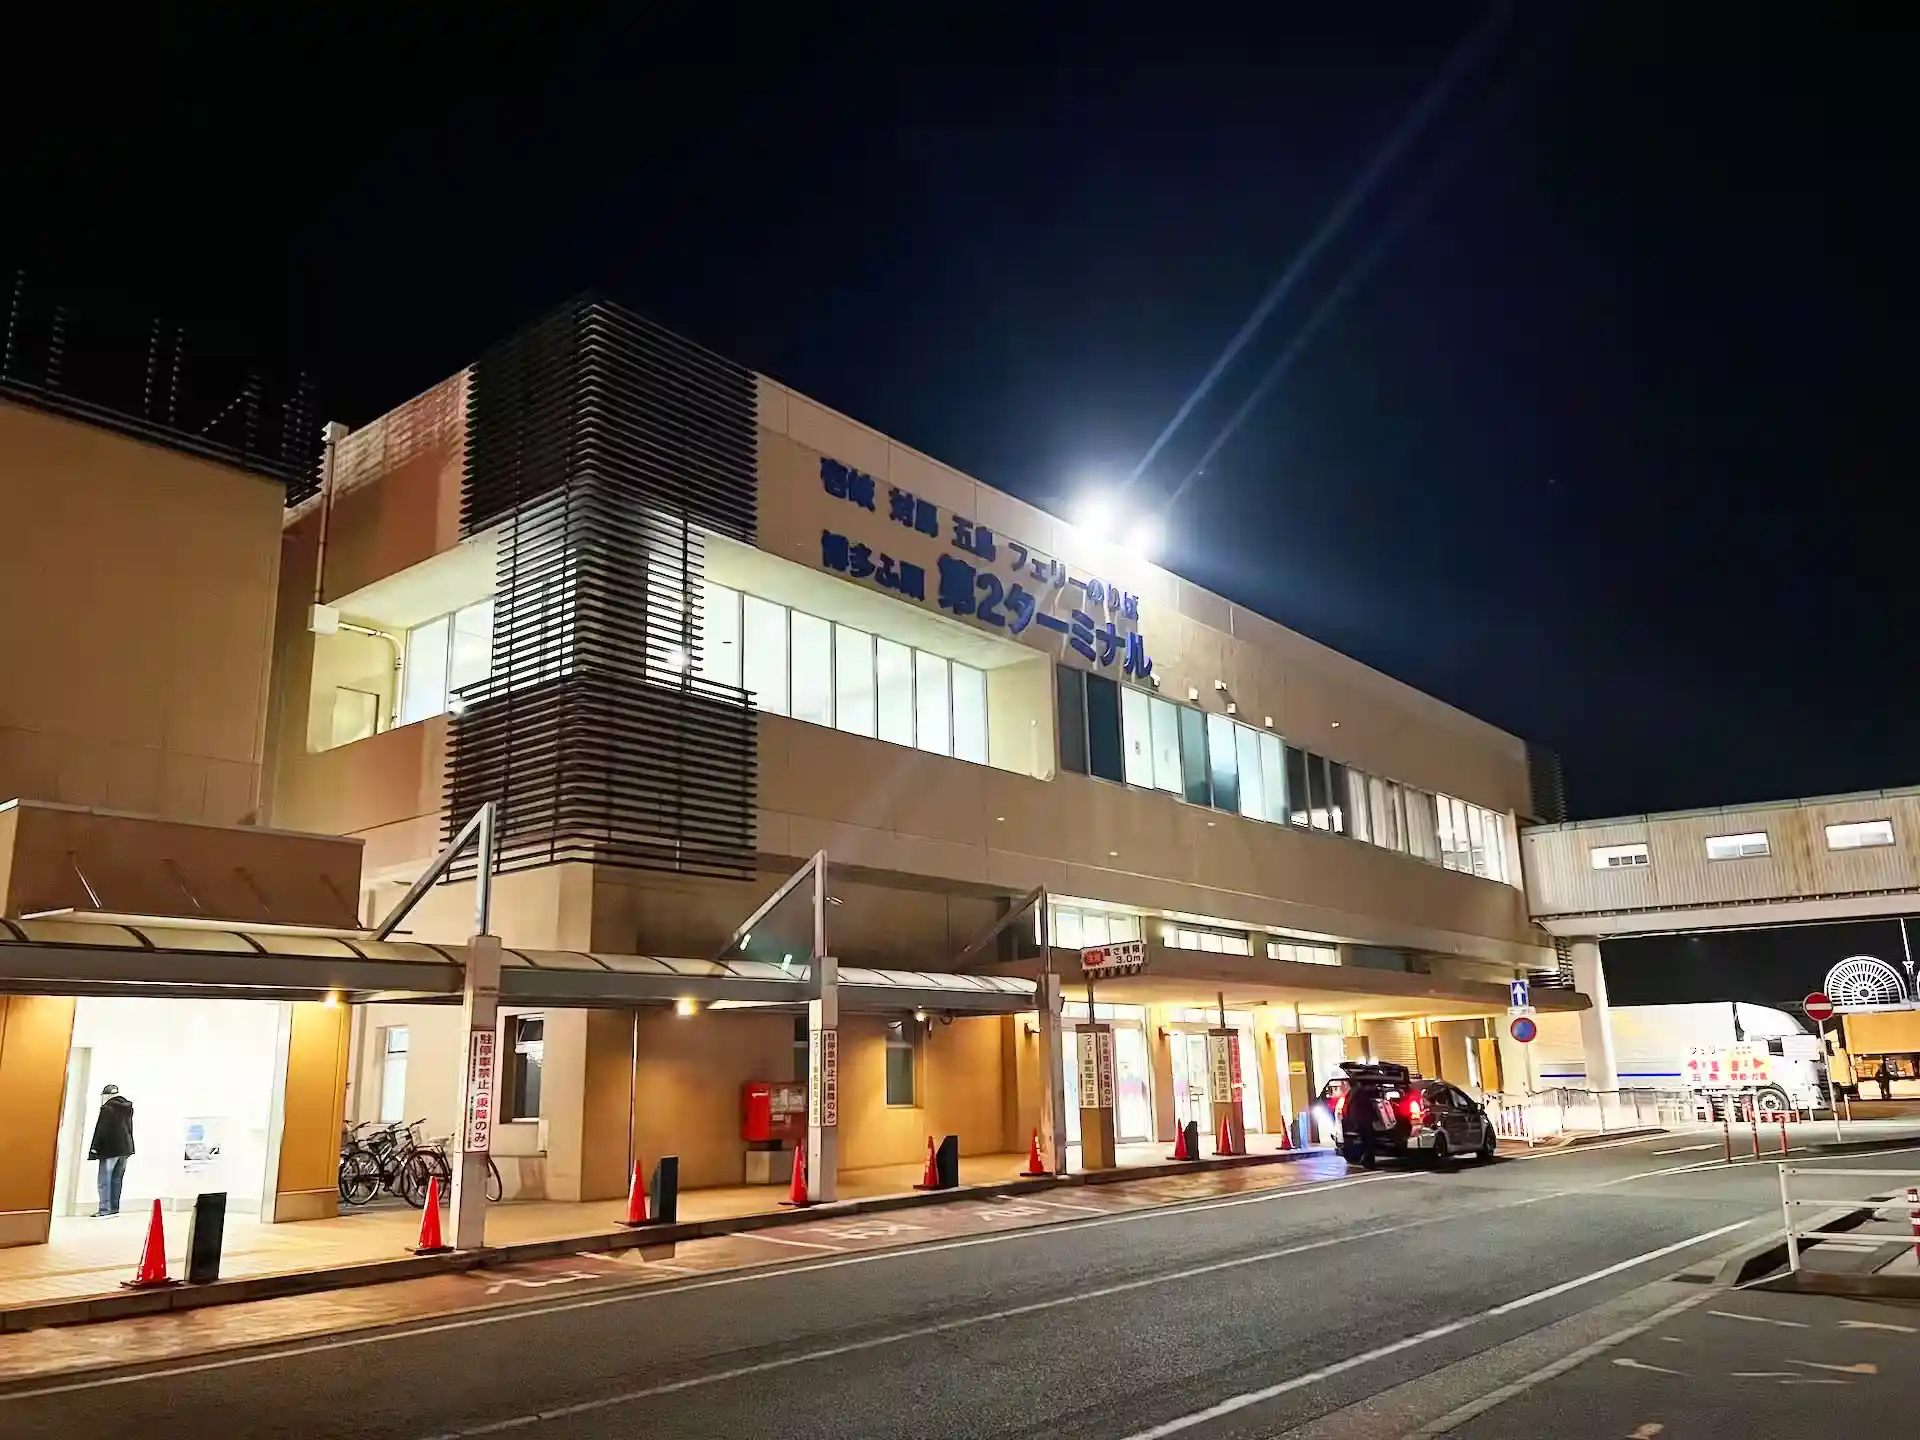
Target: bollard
204, 1233
1783, 1132
663, 1194
1913, 1218
1753, 1123
1726, 1130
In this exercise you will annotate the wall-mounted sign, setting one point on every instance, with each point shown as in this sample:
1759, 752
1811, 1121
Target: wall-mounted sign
1223, 1062
479, 1134
1123, 957
994, 582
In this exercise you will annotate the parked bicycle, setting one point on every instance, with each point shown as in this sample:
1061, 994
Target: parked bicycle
394, 1159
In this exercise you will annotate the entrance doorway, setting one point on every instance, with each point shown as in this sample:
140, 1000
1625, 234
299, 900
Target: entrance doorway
1132, 1072
201, 1075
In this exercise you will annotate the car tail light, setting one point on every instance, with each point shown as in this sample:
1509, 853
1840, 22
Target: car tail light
1416, 1112
1340, 1105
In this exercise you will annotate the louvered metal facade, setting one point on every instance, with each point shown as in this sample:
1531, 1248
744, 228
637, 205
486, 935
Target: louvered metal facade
602, 447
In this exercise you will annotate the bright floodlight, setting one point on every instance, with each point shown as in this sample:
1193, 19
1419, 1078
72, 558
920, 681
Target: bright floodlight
1144, 540
1094, 514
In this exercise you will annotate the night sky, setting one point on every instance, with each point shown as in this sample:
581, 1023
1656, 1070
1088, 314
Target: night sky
1608, 441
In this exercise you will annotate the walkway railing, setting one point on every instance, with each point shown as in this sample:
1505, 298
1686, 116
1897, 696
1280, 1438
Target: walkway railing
1892, 1197
1547, 1114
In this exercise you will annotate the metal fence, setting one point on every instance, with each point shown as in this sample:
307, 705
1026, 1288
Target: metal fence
1891, 1199
1548, 1114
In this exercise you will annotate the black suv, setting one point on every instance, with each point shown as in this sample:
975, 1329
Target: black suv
1384, 1109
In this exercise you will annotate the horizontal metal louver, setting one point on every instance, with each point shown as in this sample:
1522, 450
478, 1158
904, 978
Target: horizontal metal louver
602, 447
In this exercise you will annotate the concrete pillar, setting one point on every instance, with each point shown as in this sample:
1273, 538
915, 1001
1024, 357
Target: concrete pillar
1596, 1023
479, 1087
823, 1082
1094, 1055
1053, 1091
36, 1032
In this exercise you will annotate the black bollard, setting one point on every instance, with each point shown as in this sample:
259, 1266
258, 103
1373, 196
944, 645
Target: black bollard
663, 1191
946, 1162
204, 1233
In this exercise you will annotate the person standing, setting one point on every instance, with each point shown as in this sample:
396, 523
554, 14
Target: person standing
112, 1144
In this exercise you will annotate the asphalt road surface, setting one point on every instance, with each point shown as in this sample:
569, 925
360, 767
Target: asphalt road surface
1371, 1304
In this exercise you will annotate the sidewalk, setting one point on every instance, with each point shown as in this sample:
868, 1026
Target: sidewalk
577, 1272
86, 1259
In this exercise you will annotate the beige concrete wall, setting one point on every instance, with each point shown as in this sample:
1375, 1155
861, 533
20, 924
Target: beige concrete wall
691, 1071
1195, 637
349, 661
958, 1091
35, 1032
313, 1105
943, 819
1455, 1038
139, 593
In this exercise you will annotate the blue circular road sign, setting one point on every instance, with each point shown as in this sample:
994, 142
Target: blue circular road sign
1523, 1029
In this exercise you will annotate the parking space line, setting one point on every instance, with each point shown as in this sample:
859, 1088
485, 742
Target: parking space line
784, 1240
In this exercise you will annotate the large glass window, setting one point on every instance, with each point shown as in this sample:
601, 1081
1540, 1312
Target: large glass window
526, 1057
1165, 724
424, 687
1422, 835
1223, 759
903, 1043
1317, 807
1443, 819
471, 659
1336, 797
1297, 800
393, 1075
853, 700
1246, 754
1859, 834
812, 669
894, 665
1104, 754
1476, 840
720, 634
933, 703
1196, 773
1273, 777
764, 654
969, 713
1137, 733
1070, 689
1358, 812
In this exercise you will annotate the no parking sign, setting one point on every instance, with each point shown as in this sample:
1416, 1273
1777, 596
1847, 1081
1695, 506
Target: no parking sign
1523, 1029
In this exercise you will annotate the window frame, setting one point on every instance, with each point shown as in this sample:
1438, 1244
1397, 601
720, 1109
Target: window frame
1857, 831
520, 1065
907, 1031
1740, 846
1629, 855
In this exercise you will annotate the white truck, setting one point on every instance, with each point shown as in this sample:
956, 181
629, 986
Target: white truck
1773, 1058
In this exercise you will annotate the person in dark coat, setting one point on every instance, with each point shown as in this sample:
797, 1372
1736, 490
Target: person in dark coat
112, 1144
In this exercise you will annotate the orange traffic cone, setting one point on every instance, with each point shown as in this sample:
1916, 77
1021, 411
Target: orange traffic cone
638, 1210
797, 1192
1286, 1135
152, 1274
1035, 1169
930, 1179
1179, 1143
430, 1243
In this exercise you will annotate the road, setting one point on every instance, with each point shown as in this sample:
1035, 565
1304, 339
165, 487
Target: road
1364, 1304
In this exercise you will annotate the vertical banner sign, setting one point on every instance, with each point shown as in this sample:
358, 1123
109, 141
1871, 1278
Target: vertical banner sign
823, 1089
1095, 1055
1221, 1062
1104, 1058
479, 1091
1233, 1067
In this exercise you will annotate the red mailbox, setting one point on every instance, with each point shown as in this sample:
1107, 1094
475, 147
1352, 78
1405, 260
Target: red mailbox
773, 1111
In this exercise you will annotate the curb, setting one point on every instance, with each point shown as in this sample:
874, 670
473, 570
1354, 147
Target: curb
1763, 1258
1607, 1137
120, 1305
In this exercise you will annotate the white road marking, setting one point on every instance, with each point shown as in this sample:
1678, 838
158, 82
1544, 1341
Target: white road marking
1764, 1375
567, 1279
1060, 1205
1813, 1380
1759, 1319
1684, 1150
1877, 1325
1647, 1431
749, 1276
1630, 1364
785, 1240
1239, 1402
1865, 1367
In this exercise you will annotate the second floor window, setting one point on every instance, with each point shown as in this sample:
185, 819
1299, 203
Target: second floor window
443, 657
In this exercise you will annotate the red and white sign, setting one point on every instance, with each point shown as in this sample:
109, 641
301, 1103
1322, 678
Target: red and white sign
1095, 1053
1818, 1007
479, 1137
1123, 957
823, 1093
1524, 1029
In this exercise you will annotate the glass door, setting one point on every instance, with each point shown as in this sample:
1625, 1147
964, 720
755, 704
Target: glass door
1192, 1099
1133, 1084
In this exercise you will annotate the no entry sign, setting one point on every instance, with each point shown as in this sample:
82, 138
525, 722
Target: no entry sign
1523, 1029
1817, 1006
